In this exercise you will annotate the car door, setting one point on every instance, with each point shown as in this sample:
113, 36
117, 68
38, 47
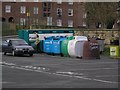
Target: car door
10, 47
4, 46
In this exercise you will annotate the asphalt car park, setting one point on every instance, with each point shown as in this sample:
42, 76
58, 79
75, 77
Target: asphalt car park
47, 71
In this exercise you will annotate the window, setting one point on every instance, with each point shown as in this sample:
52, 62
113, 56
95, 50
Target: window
36, 0
7, 8
35, 20
70, 2
22, 21
23, 9
70, 23
49, 20
59, 12
59, 22
23, 0
59, 1
44, 14
70, 12
35, 10
84, 24
84, 15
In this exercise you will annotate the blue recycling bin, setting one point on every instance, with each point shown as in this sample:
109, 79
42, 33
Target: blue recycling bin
47, 45
57, 41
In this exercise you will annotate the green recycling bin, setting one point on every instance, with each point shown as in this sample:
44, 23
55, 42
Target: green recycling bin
64, 46
114, 51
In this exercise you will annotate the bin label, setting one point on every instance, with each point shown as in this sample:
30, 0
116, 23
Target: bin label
93, 46
113, 51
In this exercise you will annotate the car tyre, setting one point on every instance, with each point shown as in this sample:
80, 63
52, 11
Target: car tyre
31, 55
13, 53
5, 53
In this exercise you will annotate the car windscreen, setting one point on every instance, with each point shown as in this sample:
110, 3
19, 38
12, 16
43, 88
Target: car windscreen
3, 43
18, 42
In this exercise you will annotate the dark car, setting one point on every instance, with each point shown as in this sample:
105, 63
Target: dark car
17, 47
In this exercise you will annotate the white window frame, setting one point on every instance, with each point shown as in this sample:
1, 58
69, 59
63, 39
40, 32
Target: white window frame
84, 15
59, 11
22, 9
49, 20
35, 10
59, 1
35, 20
70, 11
70, 23
35, 0
70, 2
23, 0
84, 24
59, 22
8, 9
22, 21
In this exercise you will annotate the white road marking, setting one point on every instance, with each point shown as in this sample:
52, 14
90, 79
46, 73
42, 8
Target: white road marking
104, 81
70, 73
79, 77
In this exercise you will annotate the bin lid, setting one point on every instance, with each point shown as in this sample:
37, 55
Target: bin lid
50, 37
70, 37
81, 38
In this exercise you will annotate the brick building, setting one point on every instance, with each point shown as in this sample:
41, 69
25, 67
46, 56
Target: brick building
62, 14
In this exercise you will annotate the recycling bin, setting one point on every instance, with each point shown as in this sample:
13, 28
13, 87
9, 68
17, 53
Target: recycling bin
80, 38
114, 51
114, 42
101, 44
48, 45
21, 34
91, 50
30, 35
64, 46
75, 46
56, 47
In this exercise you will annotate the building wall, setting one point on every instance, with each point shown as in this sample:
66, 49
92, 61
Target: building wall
15, 13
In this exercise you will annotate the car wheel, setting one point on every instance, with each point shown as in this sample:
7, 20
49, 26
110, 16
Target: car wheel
13, 53
61, 55
31, 54
4, 53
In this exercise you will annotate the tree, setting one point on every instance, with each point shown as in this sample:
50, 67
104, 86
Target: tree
101, 13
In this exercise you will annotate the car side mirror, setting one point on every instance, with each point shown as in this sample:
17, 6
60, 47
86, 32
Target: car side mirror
9, 44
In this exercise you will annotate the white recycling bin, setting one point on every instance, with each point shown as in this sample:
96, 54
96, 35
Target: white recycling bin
80, 38
75, 46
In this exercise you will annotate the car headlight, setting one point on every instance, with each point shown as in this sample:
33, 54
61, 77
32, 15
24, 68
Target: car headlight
18, 49
31, 48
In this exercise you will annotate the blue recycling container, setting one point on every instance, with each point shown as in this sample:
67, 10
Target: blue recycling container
57, 41
47, 44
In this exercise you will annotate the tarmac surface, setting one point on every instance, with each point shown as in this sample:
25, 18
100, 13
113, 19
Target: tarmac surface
47, 71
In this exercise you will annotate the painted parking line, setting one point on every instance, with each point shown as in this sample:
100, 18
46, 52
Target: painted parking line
71, 76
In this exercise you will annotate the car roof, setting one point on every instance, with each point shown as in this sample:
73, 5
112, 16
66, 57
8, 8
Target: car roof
14, 39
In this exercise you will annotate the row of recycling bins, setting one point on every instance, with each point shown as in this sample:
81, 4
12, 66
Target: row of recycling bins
74, 46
